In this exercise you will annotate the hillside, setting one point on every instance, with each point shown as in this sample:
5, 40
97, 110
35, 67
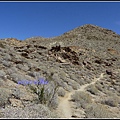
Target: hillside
82, 68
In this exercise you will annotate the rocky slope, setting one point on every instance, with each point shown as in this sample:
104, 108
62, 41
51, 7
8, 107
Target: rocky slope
69, 62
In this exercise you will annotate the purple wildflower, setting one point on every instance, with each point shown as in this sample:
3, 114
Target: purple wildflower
36, 82
42, 81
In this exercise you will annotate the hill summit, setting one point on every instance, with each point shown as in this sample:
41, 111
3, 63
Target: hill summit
82, 67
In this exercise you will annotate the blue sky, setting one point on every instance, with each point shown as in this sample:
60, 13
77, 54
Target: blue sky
22, 20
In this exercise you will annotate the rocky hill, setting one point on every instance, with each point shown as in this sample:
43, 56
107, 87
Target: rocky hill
82, 68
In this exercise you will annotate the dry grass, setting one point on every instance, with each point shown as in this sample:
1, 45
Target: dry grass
92, 89
31, 111
112, 101
81, 99
98, 111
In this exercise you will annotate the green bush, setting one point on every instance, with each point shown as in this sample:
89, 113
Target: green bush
47, 93
39, 90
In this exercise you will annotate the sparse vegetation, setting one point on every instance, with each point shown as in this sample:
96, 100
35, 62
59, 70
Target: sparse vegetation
81, 99
74, 59
40, 93
1, 115
92, 89
4, 95
112, 101
98, 111
61, 92
99, 86
46, 94
31, 111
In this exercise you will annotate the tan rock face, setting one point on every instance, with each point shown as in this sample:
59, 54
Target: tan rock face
15, 102
61, 60
112, 51
76, 48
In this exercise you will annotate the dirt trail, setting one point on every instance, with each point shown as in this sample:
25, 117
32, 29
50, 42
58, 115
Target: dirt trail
64, 106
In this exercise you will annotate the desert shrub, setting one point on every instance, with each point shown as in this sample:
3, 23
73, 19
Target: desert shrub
4, 95
2, 74
7, 57
34, 74
81, 99
6, 63
47, 93
73, 84
2, 82
81, 81
1, 115
30, 111
99, 86
40, 91
61, 92
2, 45
53, 98
15, 77
16, 93
92, 89
112, 101
98, 111
62, 75
53, 103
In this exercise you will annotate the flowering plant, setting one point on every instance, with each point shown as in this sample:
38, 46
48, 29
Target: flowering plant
36, 82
